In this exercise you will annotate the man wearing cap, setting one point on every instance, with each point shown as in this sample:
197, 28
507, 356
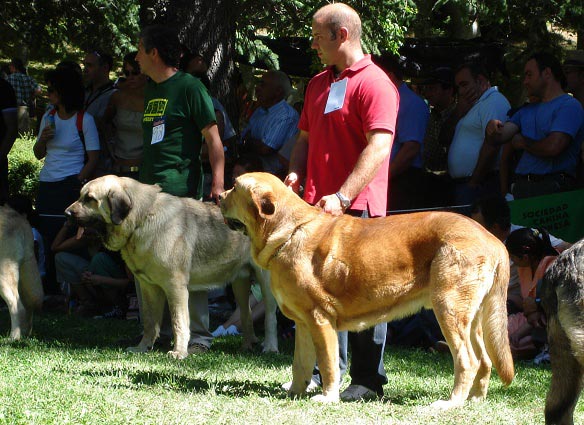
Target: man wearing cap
548, 133
574, 72
438, 89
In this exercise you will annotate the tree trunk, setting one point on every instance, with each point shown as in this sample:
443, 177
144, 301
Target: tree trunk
207, 27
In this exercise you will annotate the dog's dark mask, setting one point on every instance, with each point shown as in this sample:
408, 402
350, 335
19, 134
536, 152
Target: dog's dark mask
236, 225
95, 224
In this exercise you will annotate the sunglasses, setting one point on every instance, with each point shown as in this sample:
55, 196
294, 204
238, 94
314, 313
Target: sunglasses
128, 73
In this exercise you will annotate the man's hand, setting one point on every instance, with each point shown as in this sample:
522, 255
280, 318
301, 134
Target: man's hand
217, 188
293, 182
89, 278
331, 204
494, 132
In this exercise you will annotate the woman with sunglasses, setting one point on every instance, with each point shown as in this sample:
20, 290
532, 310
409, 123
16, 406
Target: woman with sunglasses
69, 143
123, 118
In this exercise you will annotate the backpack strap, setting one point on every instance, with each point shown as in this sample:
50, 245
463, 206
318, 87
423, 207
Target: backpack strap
79, 124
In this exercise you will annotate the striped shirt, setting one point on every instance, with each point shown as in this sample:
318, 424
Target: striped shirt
24, 86
273, 126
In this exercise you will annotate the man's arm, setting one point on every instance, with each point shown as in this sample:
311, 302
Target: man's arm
552, 145
298, 159
487, 157
403, 159
498, 133
216, 159
368, 164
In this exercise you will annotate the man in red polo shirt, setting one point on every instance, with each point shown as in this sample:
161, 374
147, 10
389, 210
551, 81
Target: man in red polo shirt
342, 152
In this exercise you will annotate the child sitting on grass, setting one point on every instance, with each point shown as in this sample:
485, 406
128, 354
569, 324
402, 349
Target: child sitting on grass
532, 253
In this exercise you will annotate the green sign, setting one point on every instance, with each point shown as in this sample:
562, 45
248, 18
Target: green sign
561, 214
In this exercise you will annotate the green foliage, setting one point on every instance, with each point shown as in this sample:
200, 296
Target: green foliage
50, 29
23, 168
385, 23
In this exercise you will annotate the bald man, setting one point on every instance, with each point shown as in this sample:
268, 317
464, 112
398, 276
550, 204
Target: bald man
342, 154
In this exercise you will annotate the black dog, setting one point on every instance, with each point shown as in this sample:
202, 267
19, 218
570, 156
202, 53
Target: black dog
562, 298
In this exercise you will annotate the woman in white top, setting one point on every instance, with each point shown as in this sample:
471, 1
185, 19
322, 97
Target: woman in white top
70, 160
123, 118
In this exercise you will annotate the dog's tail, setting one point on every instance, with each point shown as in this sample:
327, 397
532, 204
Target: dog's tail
496, 335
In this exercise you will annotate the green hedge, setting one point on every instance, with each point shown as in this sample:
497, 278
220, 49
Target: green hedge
23, 168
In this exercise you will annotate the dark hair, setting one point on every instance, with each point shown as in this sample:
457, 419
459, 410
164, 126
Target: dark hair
103, 58
23, 205
72, 65
19, 65
187, 57
250, 163
546, 60
494, 209
390, 63
163, 39
130, 59
69, 85
532, 242
475, 68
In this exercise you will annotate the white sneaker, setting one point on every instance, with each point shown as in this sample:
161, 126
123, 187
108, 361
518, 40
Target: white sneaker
358, 393
312, 386
220, 331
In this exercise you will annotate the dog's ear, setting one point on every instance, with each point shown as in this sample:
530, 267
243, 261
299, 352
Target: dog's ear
119, 205
265, 203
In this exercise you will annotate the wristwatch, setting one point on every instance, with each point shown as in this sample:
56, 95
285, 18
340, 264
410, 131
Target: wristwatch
345, 202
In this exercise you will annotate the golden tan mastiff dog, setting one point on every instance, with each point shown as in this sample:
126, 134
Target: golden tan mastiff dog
345, 273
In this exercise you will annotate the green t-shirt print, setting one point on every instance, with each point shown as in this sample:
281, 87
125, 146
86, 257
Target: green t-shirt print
175, 112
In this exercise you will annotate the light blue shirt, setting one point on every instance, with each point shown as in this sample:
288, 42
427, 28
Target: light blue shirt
412, 118
469, 135
536, 121
273, 126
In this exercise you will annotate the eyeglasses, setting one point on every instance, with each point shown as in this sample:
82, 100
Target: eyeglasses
128, 73
51, 89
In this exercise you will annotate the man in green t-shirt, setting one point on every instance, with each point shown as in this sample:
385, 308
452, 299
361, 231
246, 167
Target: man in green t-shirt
178, 114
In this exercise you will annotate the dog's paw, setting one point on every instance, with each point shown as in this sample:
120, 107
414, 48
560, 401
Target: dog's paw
270, 346
446, 404
137, 349
268, 349
329, 398
178, 355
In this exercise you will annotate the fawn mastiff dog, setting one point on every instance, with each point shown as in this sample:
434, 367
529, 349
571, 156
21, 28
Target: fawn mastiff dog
345, 273
20, 282
562, 298
172, 245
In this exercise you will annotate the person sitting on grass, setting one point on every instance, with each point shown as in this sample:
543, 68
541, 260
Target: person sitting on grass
532, 253
90, 275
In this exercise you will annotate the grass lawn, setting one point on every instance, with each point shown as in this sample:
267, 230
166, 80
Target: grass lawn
70, 371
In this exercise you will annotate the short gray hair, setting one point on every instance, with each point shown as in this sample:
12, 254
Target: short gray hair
283, 81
